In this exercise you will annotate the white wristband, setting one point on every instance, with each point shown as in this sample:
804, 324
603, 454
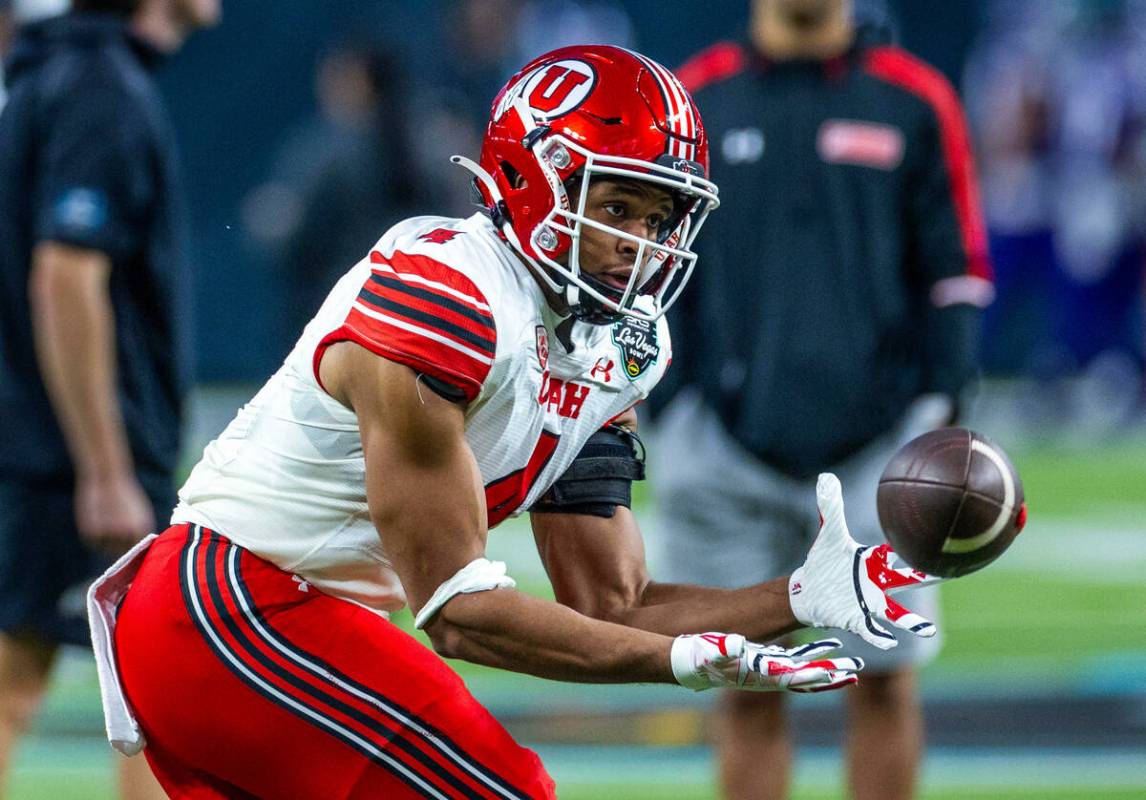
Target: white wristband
684, 666
480, 575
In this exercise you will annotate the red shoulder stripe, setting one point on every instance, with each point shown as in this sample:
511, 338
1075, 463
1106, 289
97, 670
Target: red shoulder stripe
404, 344
433, 275
425, 308
422, 313
712, 65
898, 67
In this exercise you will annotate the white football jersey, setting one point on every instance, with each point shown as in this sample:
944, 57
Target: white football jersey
450, 299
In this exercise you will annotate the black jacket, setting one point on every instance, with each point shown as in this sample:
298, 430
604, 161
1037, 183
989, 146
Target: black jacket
843, 273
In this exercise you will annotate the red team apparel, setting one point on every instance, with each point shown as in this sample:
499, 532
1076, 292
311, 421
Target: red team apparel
273, 584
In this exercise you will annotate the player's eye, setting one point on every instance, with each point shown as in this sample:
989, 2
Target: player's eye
615, 209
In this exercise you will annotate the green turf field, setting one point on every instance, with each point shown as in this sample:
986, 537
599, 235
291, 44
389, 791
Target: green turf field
1063, 611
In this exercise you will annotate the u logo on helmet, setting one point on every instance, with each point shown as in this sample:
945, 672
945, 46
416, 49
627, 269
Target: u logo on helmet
552, 90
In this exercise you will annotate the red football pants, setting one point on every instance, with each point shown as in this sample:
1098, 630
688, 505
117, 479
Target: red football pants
250, 683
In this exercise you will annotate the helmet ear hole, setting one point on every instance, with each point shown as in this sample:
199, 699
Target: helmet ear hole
514, 178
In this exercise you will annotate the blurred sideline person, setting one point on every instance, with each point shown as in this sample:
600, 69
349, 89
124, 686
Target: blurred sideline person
93, 339
1056, 102
835, 317
365, 186
465, 370
7, 26
338, 178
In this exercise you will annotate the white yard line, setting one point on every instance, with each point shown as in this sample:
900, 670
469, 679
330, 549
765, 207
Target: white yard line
1079, 549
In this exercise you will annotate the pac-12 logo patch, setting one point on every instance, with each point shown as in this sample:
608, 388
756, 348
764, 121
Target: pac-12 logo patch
637, 341
543, 347
551, 90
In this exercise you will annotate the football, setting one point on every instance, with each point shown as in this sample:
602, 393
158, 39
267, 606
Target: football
950, 502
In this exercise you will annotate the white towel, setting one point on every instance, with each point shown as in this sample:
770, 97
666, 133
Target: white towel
103, 601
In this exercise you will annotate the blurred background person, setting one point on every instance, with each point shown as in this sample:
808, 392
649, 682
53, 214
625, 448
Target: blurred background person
94, 337
340, 179
1057, 97
7, 25
848, 252
545, 25
14, 13
377, 148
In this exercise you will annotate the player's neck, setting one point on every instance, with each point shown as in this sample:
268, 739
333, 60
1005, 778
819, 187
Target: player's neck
782, 38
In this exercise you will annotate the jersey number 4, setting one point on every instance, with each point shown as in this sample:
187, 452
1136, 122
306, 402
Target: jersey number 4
503, 496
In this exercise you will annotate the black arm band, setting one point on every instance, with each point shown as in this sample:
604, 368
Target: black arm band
600, 478
444, 390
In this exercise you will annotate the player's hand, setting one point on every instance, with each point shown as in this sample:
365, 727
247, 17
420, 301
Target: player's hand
844, 585
706, 660
112, 512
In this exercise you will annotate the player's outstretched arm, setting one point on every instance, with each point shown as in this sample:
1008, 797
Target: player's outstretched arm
426, 499
597, 566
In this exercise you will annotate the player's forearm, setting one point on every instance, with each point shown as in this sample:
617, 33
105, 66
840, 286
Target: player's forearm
761, 612
514, 631
74, 329
597, 566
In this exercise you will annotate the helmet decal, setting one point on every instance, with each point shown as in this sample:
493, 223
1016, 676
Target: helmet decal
552, 90
679, 114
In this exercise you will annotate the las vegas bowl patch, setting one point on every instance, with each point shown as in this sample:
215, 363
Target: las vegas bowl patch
636, 339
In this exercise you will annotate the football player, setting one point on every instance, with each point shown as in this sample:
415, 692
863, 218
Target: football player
464, 371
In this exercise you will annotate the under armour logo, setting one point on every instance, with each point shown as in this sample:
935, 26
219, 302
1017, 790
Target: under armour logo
604, 366
439, 235
303, 585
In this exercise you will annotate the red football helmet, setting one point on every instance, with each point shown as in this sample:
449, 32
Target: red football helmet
585, 112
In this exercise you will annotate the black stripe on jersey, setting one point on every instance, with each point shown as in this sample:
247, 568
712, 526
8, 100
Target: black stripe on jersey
428, 319
389, 759
448, 303
449, 749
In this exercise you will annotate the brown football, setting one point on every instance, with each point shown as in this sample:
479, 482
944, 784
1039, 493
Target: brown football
950, 502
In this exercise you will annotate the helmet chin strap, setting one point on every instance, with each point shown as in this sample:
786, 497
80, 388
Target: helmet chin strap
586, 308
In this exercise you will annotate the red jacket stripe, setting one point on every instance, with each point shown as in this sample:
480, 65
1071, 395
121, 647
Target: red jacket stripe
712, 65
904, 70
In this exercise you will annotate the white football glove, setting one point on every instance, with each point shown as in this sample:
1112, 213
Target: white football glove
844, 585
706, 660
